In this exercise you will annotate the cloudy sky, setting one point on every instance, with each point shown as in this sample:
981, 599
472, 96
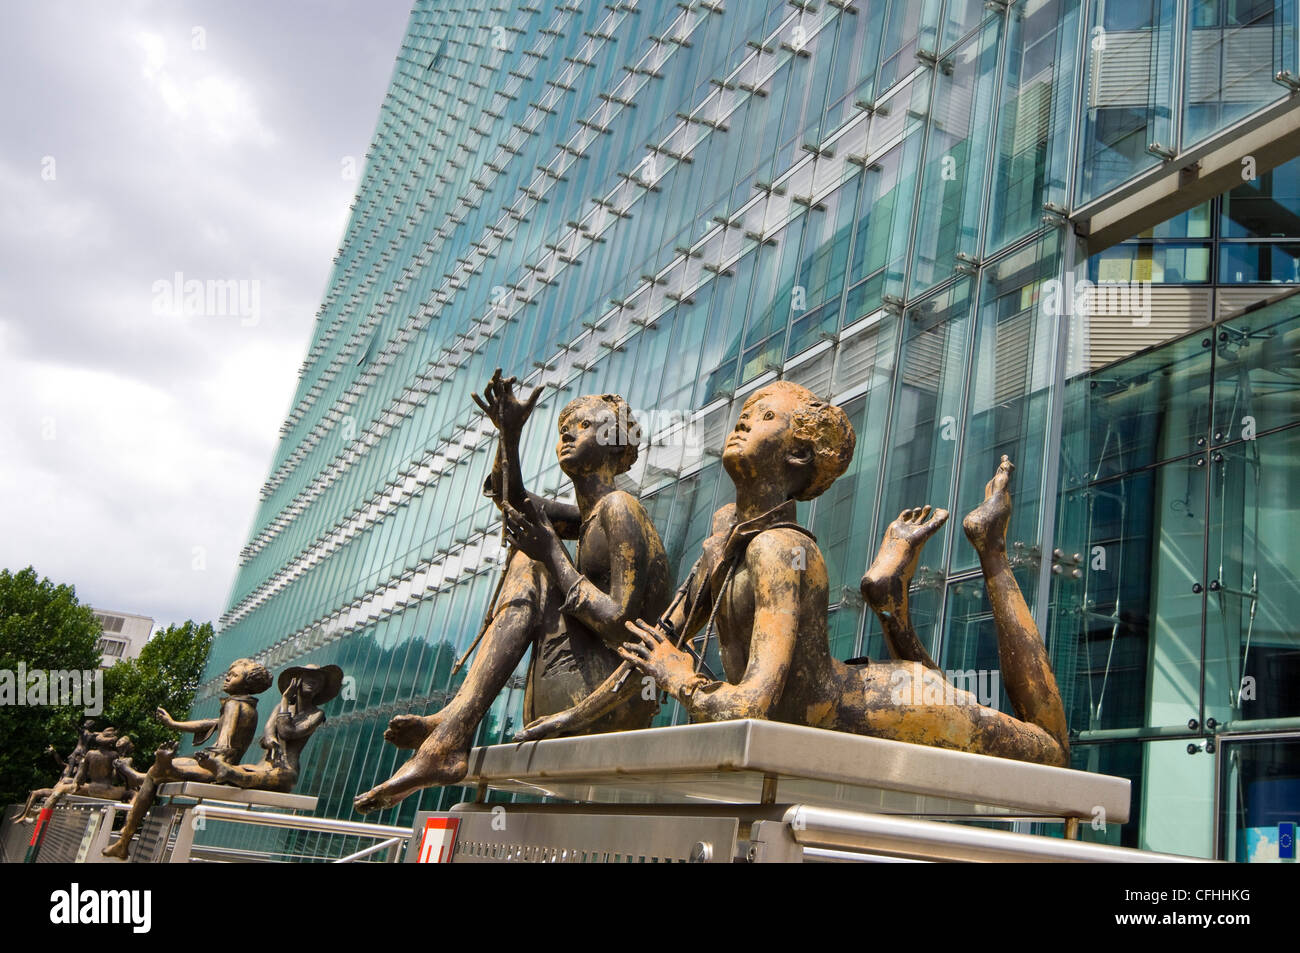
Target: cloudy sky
142, 140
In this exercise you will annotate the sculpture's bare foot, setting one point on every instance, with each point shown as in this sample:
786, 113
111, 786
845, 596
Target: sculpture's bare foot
891, 572
419, 772
986, 525
120, 848
220, 770
163, 757
540, 728
409, 731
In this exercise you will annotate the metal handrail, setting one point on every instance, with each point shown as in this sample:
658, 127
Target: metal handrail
374, 848
391, 838
839, 830
329, 825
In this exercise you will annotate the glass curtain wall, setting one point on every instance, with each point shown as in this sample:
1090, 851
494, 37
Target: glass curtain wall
680, 202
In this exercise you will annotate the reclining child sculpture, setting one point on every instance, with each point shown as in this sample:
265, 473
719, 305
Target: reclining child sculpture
762, 580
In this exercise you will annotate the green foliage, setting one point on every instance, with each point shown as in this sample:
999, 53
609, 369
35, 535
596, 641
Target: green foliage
166, 675
43, 626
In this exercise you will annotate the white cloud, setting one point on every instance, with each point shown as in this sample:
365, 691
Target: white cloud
220, 162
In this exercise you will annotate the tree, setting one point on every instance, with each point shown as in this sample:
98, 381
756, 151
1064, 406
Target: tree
166, 674
42, 628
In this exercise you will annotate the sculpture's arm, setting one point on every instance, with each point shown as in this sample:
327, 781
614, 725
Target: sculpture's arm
626, 527
126, 771
197, 726
777, 597
295, 728
609, 695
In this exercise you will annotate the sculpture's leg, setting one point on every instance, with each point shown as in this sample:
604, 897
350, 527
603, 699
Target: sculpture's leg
443, 755
39, 793
1026, 671
161, 770
259, 777
140, 805
885, 585
58, 792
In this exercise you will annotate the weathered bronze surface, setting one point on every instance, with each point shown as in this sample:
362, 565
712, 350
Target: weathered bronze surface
571, 612
234, 728
303, 689
761, 581
99, 766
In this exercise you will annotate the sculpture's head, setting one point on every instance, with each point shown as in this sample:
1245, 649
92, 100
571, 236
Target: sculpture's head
787, 434
107, 738
246, 677
124, 746
316, 684
597, 432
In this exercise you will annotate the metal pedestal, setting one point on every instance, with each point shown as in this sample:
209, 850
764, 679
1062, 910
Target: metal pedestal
763, 791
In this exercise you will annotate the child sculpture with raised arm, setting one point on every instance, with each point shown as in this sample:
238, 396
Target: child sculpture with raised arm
570, 611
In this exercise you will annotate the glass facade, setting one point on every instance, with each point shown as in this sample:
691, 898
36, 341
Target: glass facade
679, 202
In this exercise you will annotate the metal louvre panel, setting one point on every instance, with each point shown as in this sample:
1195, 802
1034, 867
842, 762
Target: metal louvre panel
926, 353
63, 834
1033, 117
151, 841
1121, 73
1175, 310
1011, 358
14, 838
714, 427
527, 837
1231, 66
815, 373
858, 358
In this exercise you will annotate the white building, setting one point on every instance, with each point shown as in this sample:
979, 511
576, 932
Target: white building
124, 635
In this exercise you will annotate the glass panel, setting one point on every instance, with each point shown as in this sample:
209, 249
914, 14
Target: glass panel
1259, 799
926, 420
1255, 385
1166, 263
1252, 646
1007, 401
1229, 67
1271, 263
1265, 207
1176, 800
952, 193
1129, 64
1148, 408
970, 642
1033, 118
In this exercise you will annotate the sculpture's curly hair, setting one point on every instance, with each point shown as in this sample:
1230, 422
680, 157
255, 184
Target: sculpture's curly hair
627, 439
821, 425
257, 679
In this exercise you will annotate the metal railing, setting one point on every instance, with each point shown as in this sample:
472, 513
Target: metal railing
391, 841
831, 834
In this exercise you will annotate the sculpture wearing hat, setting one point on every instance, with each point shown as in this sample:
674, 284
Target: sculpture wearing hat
303, 689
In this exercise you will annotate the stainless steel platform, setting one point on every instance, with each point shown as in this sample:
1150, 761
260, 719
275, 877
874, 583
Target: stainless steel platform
757, 762
199, 792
